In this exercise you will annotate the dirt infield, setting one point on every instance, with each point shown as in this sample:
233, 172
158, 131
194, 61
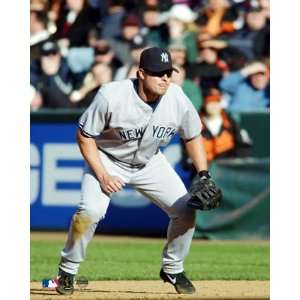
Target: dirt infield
125, 290
61, 236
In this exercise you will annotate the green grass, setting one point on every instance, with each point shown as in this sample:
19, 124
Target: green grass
140, 260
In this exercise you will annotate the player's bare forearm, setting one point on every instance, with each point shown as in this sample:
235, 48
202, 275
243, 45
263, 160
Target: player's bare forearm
88, 148
90, 153
196, 151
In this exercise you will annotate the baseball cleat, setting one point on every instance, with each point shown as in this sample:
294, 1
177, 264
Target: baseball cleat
181, 283
65, 283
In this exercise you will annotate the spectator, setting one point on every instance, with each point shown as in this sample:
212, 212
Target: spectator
188, 86
100, 74
178, 53
73, 24
249, 89
137, 45
252, 41
111, 27
130, 28
155, 30
38, 32
104, 53
209, 69
221, 135
52, 78
181, 27
81, 59
217, 17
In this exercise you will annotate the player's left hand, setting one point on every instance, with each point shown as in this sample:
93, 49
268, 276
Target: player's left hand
205, 195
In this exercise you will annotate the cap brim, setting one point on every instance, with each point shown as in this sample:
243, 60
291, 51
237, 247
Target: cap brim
173, 69
48, 52
159, 70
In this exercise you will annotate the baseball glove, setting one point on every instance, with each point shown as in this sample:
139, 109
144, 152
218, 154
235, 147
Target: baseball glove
205, 195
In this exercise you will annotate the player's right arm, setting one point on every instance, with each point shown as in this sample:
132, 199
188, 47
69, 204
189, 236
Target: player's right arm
91, 125
89, 151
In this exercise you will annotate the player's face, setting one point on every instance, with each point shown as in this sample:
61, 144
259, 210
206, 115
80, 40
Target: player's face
157, 83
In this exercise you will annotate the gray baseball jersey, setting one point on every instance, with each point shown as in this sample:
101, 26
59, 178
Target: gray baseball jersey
128, 130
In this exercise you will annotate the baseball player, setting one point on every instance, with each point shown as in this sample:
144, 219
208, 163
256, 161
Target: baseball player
119, 136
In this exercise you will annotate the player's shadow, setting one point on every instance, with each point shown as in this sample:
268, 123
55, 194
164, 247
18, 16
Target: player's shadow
43, 292
129, 292
48, 292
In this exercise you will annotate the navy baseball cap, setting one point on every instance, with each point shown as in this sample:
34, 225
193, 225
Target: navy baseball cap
156, 60
49, 47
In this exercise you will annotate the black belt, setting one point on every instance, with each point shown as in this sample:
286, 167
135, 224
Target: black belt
121, 161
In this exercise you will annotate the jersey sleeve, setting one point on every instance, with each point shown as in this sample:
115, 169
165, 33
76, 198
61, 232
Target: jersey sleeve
191, 124
93, 120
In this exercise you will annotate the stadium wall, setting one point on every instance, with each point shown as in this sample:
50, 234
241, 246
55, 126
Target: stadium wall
56, 170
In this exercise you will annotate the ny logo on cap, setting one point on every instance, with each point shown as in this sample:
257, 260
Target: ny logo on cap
164, 57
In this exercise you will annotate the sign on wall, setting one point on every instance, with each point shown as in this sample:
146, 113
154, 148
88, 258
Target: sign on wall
56, 168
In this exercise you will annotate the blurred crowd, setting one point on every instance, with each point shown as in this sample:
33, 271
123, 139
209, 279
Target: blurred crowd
221, 48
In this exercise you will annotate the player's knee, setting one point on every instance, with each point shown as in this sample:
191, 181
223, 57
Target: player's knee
188, 217
182, 212
80, 224
94, 214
